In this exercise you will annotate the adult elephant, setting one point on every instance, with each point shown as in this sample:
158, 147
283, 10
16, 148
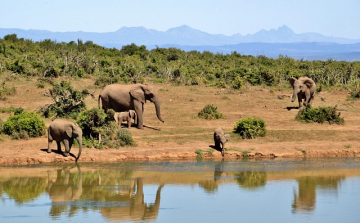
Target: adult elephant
122, 98
304, 88
65, 131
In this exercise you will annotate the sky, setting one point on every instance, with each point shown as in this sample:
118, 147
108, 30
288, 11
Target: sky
337, 18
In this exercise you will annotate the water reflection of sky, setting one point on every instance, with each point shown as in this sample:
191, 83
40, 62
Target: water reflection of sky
205, 192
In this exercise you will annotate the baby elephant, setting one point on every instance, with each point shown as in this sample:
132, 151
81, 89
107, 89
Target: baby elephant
65, 131
220, 138
124, 117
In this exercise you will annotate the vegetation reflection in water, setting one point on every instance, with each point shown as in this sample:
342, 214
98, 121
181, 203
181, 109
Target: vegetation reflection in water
117, 191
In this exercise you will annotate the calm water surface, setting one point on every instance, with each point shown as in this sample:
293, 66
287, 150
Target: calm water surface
303, 190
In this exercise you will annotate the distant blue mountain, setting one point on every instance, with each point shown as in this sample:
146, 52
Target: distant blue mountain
305, 51
269, 43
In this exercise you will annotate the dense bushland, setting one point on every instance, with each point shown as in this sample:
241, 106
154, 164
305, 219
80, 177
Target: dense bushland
135, 64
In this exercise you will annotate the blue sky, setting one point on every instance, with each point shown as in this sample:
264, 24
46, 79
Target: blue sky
339, 18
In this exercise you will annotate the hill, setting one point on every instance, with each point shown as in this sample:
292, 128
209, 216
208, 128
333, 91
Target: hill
270, 43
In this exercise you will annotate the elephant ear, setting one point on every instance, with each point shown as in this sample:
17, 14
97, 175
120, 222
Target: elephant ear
309, 83
292, 81
137, 92
69, 131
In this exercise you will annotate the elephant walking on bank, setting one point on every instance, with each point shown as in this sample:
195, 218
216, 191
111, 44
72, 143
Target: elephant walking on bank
123, 98
65, 131
220, 138
304, 88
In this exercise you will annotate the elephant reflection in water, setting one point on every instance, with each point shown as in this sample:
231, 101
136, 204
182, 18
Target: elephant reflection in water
305, 200
64, 189
210, 186
135, 208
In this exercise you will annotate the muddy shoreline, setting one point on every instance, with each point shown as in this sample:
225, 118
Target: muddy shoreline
33, 151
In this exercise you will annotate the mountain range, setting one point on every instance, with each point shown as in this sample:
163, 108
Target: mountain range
283, 40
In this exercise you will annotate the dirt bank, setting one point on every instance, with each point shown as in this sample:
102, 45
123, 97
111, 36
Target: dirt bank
34, 151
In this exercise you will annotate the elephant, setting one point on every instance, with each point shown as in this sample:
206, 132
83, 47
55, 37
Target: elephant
67, 187
124, 117
134, 207
65, 131
304, 88
122, 98
220, 138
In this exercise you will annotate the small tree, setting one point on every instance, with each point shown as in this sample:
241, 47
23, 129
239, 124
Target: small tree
67, 101
250, 128
210, 112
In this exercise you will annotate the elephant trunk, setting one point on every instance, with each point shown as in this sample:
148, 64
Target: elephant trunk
79, 139
293, 97
157, 107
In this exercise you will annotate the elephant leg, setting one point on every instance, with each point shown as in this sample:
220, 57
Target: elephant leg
217, 144
139, 108
300, 100
50, 139
311, 99
58, 146
307, 98
49, 145
222, 149
67, 149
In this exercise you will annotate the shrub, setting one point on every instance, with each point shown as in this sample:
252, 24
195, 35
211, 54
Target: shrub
237, 83
95, 122
210, 112
320, 115
91, 120
24, 125
250, 128
115, 137
67, 101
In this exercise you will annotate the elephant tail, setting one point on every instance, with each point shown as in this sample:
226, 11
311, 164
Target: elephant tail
99, 101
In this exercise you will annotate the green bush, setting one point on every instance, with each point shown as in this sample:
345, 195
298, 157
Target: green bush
250, 128
95, 122
90, 121
237, 83
320, 115
67, 101
210, 112
24, 125
116, 137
